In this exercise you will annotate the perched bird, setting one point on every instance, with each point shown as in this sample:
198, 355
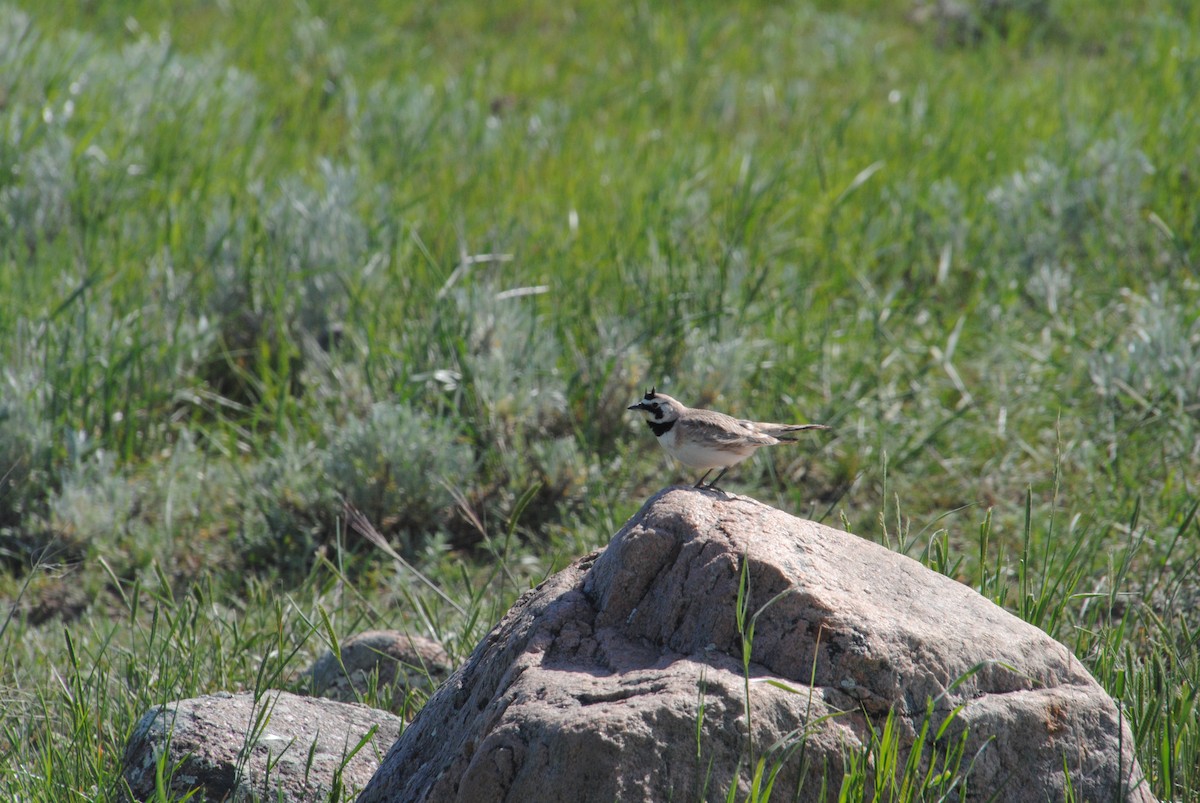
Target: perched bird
707, 439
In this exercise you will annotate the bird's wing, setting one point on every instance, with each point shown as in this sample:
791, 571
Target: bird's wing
725, 430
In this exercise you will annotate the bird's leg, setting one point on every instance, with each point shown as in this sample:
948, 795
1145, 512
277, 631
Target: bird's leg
700, 482
712, 485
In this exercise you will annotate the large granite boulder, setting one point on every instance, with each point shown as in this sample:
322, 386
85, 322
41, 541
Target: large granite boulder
621, 677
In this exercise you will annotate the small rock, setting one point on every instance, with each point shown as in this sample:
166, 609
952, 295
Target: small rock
964, 22
283, 748
401, 660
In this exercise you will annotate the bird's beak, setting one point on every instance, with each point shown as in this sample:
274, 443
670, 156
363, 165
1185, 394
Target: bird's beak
638, 406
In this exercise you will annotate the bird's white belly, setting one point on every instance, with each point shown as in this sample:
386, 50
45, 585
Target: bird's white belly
699, 455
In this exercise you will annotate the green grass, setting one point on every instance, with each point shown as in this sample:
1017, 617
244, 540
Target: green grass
424, 256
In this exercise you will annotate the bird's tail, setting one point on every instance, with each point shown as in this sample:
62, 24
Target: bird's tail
777, 430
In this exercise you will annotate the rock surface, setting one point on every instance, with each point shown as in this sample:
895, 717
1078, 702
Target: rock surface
620, 678
297, 747
400, 659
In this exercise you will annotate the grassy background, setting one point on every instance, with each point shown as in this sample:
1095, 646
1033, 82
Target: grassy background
423, 255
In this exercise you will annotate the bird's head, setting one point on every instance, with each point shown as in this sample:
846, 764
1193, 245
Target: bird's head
658, 407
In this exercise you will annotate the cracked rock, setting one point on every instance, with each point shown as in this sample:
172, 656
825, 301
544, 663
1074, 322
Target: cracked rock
621, 677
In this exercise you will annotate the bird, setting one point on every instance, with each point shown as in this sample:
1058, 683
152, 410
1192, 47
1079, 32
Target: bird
706, 439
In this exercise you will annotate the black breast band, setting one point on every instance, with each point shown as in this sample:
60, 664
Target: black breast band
661, 429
